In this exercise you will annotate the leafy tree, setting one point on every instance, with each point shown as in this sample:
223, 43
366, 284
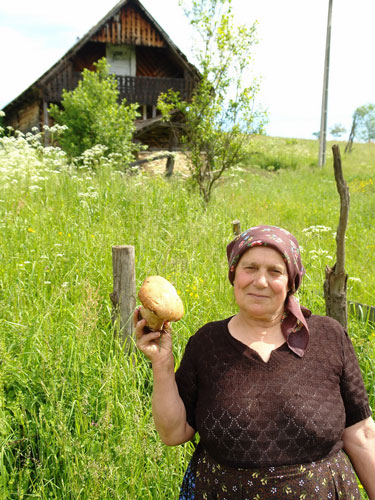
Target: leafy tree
94, 116
220, 115
316, 134
337, 130
2, 114
365, 122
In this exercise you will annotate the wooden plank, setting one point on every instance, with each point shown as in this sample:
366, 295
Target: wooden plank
129, 27
123, 25
118, 27
113, 33
362, 311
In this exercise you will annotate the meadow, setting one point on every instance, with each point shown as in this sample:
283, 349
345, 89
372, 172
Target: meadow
75, 412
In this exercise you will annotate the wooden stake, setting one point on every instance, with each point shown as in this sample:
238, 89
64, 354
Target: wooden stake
336, 278
160, 156
173, 142
45, 122
236, 225
123, 296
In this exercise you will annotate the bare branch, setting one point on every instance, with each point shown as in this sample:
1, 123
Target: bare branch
336, 278
343, 191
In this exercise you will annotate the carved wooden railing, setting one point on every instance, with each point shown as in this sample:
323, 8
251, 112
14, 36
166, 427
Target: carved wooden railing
141, 89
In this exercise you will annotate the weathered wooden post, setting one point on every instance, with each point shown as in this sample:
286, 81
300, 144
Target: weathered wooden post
123, 296
236, 225
173, 142
336, 278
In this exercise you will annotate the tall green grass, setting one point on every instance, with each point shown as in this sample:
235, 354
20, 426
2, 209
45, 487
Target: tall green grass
75, 413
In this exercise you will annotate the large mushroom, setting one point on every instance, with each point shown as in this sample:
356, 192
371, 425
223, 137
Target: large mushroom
160, 302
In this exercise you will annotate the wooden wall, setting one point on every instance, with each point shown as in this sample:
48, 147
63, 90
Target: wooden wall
87, 55
150, 61
129, 27
156, 62
25, 118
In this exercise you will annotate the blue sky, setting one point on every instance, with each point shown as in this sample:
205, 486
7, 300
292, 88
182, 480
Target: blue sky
289, 57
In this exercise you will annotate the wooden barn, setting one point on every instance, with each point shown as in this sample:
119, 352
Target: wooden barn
141, 55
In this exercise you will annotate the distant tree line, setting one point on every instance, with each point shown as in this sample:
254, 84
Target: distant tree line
337, 130
363, 126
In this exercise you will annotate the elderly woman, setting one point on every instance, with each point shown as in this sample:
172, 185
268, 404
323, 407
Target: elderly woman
274, 392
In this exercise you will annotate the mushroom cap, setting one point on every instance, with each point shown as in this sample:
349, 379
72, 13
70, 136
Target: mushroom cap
159, 296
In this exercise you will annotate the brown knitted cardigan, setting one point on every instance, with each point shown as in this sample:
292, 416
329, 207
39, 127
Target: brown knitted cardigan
290, 410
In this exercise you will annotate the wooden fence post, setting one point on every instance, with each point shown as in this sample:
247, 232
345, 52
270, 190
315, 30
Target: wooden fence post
336, 277
123, 296
236, 225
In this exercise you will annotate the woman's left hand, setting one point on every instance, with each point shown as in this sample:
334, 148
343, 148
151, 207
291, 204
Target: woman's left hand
155, 345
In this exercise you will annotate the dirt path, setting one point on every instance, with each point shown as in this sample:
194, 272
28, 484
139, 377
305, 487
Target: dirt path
158, 166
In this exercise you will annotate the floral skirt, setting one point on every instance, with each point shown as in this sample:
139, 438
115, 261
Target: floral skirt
331, 478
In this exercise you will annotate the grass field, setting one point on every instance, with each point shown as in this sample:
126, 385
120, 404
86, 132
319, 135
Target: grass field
75, 414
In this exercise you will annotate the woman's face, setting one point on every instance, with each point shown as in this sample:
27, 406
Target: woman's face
261, 283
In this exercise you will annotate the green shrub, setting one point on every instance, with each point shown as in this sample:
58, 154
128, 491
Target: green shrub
94, 117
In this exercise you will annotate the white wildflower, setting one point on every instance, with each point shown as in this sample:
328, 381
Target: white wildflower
316, 229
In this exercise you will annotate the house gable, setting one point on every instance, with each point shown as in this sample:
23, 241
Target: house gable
129, 26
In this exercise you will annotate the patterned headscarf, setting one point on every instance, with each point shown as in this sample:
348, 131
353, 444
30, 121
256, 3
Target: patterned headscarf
294, 324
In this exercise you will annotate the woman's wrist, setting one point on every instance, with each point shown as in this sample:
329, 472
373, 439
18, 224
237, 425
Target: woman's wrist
163, 366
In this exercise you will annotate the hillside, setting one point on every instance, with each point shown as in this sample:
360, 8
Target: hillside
75, 411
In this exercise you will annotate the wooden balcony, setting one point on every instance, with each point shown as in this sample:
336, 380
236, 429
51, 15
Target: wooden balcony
146, 89
141, 89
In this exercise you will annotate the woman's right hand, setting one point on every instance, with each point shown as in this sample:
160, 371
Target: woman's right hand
155, 345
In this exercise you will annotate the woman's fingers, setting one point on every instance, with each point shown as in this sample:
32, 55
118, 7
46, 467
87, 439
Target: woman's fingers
147, 338
166, 326
155, 345
136, 317
139, 323
139, 326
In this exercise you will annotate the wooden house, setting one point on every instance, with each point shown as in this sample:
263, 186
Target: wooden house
141, 55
